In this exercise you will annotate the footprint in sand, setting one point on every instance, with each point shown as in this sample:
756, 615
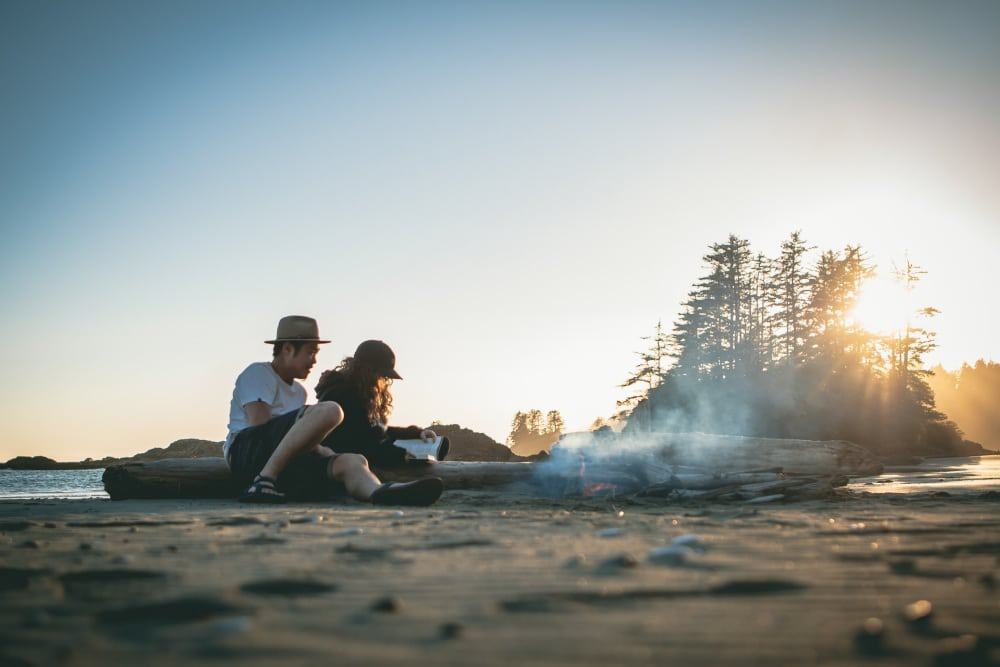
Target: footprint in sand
112, 583
170, 612
18, 578
15, 526
287, 587
238, 521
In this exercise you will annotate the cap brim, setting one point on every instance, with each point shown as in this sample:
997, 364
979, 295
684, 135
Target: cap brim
295, 340
394, 375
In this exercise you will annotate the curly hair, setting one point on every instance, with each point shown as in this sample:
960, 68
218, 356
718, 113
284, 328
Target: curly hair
368, 382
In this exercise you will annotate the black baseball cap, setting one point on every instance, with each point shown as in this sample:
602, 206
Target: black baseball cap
379, 356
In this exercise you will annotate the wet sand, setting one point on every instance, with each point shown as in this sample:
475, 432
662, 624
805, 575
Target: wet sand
488, 578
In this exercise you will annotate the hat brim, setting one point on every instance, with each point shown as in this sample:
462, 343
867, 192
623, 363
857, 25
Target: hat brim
295, 340
393, 374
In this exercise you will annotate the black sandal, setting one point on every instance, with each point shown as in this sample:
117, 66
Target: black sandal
263, 491
421, 492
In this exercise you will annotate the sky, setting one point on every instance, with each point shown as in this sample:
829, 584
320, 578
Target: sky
510, 194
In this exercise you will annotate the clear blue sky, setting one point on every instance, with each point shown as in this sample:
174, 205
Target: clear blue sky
510, 194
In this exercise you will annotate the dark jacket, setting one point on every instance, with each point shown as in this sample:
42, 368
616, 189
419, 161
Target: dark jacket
357, 434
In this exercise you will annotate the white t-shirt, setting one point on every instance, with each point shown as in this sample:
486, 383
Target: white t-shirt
259, 382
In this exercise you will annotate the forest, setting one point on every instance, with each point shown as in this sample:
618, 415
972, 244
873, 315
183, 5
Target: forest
768, 346
971, 396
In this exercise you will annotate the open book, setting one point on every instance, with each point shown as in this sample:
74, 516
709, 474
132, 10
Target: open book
423, 450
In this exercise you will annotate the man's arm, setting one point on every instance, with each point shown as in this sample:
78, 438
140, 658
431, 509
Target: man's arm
258, 412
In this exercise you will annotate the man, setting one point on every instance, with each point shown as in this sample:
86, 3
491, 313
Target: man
274, 438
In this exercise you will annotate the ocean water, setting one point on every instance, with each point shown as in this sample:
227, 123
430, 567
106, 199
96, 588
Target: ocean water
70, 484
958, 475
953, 475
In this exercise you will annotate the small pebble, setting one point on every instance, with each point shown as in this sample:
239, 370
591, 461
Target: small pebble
609, 532
49, 524
349, 531
869, 637
669, 555
918, 614
451, 630
387, 605
284, 524
172, 548
123, 559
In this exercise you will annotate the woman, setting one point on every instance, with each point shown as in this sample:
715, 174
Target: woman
360, 384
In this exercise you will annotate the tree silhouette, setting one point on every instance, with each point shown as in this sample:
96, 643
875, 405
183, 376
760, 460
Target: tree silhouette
769, 347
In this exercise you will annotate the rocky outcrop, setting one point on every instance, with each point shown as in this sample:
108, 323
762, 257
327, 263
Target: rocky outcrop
469, 445
187, 448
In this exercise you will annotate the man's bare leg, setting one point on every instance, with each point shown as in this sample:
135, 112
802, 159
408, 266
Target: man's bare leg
314, 425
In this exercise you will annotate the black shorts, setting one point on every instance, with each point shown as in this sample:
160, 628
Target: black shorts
303, 477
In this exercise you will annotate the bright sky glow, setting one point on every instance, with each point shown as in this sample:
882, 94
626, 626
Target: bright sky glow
509, 194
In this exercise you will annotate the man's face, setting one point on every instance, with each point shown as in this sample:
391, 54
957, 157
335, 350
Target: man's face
301, 362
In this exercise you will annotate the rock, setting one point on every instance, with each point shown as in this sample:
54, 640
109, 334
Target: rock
610, 532
918, 614
468, 445
349, 531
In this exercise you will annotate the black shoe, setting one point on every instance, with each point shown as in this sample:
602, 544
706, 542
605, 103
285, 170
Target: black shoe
424, 491
262, 491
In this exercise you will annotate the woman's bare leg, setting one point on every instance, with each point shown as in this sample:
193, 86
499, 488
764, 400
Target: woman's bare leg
314, 425
353, 471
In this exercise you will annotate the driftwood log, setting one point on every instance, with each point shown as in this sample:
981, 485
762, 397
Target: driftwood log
679, 465
209, 477
799, 457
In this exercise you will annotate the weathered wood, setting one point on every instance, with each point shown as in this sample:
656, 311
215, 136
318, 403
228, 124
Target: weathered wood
728, 452
692, 461
209, 477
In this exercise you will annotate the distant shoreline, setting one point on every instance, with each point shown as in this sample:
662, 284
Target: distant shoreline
189, 448
466, 445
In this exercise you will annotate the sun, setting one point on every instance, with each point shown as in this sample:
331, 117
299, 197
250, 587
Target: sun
883, 307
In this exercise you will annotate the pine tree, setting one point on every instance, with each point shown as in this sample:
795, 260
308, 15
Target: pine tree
791, 288
534, 422
649, 372
554, 423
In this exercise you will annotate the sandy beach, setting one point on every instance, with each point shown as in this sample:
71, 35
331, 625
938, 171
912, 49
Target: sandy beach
490, 578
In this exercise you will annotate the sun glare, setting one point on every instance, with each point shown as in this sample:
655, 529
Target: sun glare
883, 306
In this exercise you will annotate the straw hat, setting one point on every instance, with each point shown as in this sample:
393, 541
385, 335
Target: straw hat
297, 328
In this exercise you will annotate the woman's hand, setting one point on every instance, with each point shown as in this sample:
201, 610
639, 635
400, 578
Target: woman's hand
428, 435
